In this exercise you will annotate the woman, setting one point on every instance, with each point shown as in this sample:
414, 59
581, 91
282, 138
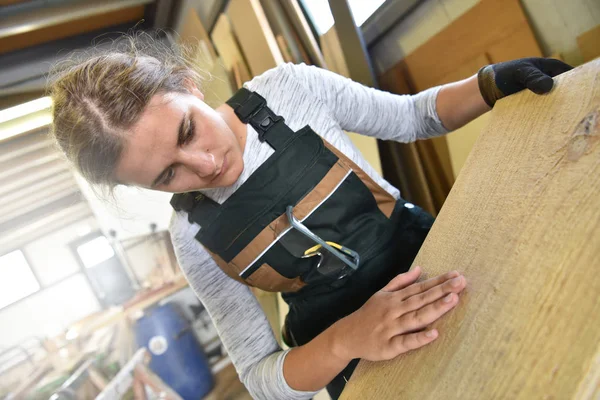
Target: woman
136, 116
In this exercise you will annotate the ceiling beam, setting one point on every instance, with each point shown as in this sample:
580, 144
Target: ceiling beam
22, 145
38, 213
41, 189
52, 16
28, 162
20, 236
28, 179
43, 205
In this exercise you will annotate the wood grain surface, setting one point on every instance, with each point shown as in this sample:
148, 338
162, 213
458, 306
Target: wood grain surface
254, 35
522, 222
589, 43
496, 29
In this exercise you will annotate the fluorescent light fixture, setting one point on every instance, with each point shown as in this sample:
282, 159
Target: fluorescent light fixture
25, 126
26, 108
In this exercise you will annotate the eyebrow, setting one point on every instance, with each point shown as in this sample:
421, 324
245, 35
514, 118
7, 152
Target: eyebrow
180, 133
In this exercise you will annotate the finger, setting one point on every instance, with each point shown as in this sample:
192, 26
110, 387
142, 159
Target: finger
534, 79
403, 280
420, 300
412, 341
421, 287
418, 319
553, 67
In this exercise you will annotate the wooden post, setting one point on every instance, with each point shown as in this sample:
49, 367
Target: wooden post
353, 47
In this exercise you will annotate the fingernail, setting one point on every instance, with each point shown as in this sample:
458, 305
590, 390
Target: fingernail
430, 333
456, 281
448, 298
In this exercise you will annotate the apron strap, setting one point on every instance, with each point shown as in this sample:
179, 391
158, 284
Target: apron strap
251, 108
200, 208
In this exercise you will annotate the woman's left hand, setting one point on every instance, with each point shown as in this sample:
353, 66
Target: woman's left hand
503, 79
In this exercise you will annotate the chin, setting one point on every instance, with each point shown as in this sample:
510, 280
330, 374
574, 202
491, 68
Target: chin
233, 174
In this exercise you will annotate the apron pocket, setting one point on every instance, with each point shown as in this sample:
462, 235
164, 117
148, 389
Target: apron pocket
267, 278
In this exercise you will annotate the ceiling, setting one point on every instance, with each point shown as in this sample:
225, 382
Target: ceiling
35, 34
38, 190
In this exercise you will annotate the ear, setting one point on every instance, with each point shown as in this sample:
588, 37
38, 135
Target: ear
193, 88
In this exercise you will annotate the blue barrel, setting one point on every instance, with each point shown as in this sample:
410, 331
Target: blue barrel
177, 356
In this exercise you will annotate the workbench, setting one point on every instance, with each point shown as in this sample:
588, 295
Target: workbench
522, 222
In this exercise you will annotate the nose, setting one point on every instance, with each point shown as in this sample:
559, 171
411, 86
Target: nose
200, 163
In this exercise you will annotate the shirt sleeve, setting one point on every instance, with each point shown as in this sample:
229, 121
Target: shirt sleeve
372, 112
240, 322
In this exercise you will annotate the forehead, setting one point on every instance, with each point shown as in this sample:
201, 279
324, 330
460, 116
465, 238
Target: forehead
148, 143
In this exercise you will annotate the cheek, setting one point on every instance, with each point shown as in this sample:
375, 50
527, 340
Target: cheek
213, 136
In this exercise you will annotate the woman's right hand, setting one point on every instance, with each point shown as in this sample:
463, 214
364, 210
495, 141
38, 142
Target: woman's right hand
392, 321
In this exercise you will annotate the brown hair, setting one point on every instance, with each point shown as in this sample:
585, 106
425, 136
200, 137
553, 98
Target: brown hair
99, 94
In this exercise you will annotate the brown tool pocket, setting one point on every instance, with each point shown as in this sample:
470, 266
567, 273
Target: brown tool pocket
267, 278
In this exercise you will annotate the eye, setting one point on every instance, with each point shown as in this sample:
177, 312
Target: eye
169, 176
189, 132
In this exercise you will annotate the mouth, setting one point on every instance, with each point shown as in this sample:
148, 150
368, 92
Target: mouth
223, 167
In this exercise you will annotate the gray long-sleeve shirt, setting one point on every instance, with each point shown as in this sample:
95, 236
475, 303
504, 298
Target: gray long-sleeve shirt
330, 104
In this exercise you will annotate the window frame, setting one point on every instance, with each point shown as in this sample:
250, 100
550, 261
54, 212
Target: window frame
33, 272
42, 286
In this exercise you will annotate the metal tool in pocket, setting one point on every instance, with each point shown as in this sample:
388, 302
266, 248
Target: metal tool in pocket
334, 259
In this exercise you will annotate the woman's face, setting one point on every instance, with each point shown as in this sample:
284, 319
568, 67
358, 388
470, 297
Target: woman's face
180, 144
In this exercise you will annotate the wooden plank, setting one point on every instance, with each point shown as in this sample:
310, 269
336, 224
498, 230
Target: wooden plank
461, 141
498, 27
520, 43
465, 69
302, 29
284, 32
193, 33
72, 28
227, 46
254, 35
10, 2
332, 53
336, 62
521, 223
28, 383
589, 43
284, 47
421, 170
457, 52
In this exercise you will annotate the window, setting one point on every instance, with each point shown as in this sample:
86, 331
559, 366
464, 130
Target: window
362, 10
320, 14
321, 17
95, 251
16, 278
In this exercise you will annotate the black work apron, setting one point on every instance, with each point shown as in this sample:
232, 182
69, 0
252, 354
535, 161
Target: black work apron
313, 311
251, 240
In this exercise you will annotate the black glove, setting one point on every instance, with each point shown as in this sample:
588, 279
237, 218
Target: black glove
503, 79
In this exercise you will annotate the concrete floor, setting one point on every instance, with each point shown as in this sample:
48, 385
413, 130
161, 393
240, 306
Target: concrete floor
228, 386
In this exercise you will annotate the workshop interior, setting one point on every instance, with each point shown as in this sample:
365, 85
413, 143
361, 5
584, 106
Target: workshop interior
94, 304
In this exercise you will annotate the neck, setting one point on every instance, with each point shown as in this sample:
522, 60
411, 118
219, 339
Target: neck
238, 128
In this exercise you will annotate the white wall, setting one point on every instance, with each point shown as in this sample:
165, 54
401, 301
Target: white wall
47, 312
53, 309
131, 212
50, 256
556, 23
